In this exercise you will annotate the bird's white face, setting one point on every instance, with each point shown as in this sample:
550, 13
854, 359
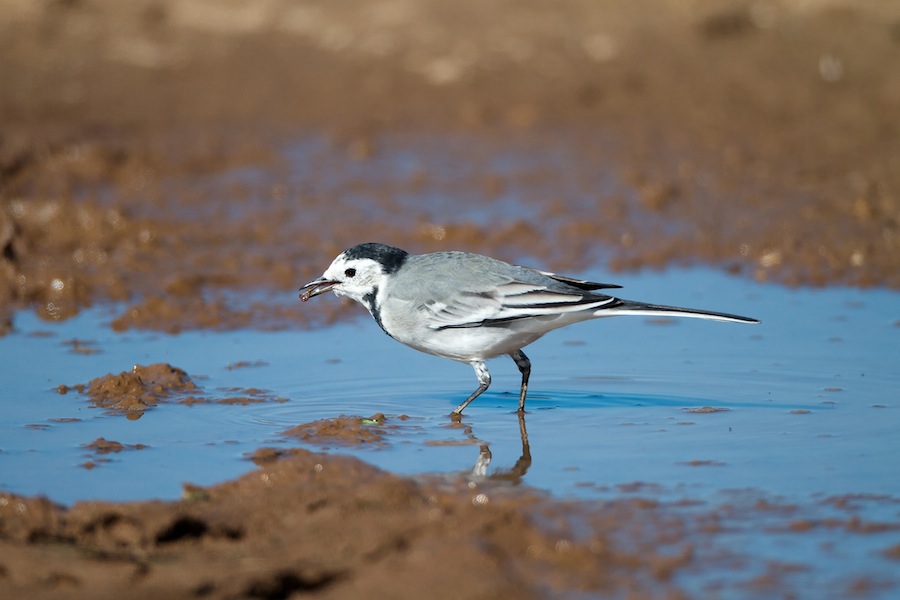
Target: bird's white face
354, 278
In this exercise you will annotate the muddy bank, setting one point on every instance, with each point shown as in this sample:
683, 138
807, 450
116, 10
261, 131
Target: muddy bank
334, 527
149, 153
325, 525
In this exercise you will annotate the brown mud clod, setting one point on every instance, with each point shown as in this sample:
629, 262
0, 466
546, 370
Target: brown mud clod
145, 387
346, 430
137, 390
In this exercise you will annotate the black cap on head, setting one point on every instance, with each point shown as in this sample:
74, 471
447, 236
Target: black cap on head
391, 258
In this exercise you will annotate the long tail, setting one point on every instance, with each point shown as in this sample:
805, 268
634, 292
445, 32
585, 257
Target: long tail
629, 307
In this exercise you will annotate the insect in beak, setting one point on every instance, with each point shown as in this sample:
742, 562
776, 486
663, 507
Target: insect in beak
316, 287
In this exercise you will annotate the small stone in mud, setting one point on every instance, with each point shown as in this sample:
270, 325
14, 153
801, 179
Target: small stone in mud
706, 409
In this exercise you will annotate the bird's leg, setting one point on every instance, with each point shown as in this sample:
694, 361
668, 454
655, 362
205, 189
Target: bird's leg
525, 369
484, 381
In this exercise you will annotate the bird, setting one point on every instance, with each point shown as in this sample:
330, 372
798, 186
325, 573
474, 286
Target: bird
470, 307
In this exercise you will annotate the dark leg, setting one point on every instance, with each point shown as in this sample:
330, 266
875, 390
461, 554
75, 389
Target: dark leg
484, 381
525, 369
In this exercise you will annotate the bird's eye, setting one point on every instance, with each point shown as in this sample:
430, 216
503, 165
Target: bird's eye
350, 272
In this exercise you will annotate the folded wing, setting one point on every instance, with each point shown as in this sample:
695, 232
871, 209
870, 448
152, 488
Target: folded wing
512, 301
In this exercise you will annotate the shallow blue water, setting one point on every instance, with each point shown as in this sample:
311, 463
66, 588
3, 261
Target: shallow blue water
609, 399
812, 397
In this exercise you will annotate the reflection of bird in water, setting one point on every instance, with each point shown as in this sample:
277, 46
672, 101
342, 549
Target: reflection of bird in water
514, 474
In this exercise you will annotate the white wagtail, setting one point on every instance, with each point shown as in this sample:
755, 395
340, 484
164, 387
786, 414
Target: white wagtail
469, 307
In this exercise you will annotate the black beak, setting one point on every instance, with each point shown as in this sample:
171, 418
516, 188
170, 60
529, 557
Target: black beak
316, 287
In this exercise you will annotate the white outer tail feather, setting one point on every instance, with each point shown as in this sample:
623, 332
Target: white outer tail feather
628, 307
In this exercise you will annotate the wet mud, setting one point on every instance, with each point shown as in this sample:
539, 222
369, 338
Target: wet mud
101, 447
346, 430
137, 390
132, 392
386, 536
330, 526
195, 162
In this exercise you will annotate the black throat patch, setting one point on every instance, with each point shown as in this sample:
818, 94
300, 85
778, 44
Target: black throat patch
372, 305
